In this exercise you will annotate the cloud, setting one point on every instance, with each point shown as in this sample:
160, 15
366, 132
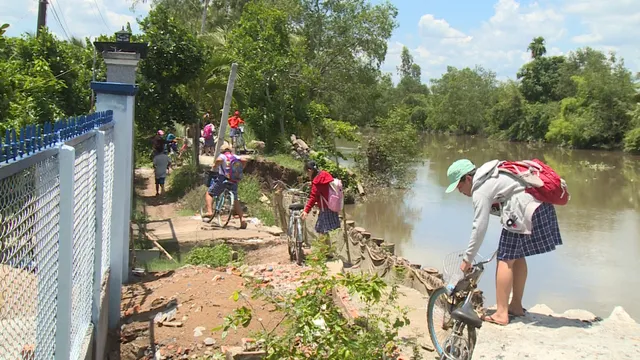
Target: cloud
499, 42
79, 18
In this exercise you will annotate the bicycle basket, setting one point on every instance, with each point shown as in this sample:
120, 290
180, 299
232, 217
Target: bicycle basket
451, 272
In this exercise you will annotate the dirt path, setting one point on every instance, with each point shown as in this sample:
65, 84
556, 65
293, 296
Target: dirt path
156, 207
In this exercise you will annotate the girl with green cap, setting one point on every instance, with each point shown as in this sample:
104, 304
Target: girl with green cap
530, 227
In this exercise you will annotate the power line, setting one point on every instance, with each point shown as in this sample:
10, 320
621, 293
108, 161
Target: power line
61, 15
106, 26
57, 18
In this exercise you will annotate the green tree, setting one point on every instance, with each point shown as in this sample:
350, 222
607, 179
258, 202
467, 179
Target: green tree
537, 47
540, 79
460, 100
273, 70
598, 115
175, 58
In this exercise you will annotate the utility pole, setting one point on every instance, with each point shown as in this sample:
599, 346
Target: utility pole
196, 129
204, 16
42, 16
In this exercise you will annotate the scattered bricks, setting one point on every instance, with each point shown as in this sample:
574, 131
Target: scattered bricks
378, 241
171, 323
249, 344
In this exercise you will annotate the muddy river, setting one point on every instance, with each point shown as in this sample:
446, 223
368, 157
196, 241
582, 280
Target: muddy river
596, 267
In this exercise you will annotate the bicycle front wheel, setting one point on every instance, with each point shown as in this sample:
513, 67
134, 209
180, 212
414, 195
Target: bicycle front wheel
439, 321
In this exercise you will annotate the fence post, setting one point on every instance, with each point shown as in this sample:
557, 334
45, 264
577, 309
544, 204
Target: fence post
66, 160
97, 254
121, 99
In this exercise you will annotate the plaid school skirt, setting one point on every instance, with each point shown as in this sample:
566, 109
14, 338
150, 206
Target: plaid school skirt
544, 237
327, 221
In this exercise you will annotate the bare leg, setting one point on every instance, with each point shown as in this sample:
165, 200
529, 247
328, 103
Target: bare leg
519, 280
504, 283
209, 201
162, 188
157, 189
238, 210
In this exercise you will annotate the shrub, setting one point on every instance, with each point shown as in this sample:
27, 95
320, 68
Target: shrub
215, 256
313, 326
183, 179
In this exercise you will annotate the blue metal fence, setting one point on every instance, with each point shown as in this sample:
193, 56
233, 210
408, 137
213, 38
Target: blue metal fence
34, 138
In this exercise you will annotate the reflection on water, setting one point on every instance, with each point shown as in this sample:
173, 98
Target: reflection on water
594, 269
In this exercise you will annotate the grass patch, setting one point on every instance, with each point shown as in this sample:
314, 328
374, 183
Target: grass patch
250, 192
163, 264
214, 256
182, 180
286, 161
192, 201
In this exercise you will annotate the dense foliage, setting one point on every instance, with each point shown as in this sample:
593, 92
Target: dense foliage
298, 56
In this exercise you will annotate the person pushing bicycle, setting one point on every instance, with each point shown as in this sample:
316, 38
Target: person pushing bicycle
230, 169
234, 123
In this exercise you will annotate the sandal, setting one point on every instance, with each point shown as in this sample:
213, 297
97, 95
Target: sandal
243, 225
491, 320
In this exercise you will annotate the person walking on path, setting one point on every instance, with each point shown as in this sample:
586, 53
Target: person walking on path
327, 220
225, 163
161, 167
497, 193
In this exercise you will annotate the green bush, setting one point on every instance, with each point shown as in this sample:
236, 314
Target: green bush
214, 256
632, 141
182, 180
250, 192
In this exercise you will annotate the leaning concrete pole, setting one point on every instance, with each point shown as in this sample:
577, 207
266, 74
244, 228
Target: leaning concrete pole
225, 109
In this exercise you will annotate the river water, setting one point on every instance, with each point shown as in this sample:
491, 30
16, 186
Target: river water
596, 267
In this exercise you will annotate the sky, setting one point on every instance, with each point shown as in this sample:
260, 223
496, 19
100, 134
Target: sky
490, 33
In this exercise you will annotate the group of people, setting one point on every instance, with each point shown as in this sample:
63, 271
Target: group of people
531, 227
207, 134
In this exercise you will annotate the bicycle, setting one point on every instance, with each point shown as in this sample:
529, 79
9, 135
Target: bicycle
238, 139
223, 205
456, 299
295, 233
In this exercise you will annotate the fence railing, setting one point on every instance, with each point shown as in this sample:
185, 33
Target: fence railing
56, 190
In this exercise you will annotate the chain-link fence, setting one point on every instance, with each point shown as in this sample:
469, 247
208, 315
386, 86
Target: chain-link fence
39, 213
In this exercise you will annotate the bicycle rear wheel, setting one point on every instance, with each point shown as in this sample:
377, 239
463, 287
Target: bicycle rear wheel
297, 243
291, 248
439, 321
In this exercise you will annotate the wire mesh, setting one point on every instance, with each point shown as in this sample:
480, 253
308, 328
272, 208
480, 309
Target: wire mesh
109, 156
84, 238
29, 212
451, 272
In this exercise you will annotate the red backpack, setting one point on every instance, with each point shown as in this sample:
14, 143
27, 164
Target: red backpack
542, 182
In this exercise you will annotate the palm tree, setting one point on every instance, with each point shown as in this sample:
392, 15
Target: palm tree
537, 47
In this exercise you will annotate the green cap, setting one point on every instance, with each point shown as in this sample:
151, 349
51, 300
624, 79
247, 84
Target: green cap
456, 171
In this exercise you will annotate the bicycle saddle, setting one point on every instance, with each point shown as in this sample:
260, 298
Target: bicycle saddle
296, 207
467, 315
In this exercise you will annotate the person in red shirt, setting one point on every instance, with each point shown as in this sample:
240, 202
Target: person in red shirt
327, 220
234, 122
